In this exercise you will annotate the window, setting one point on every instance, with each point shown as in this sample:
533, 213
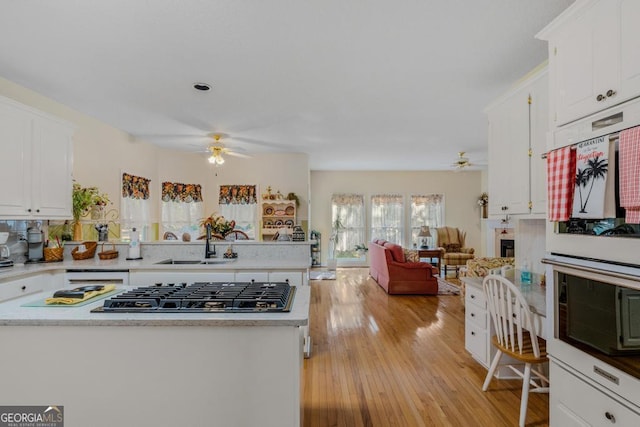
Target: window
387, 217
239, 203
426, 210
348, 227
182, 208
134, 206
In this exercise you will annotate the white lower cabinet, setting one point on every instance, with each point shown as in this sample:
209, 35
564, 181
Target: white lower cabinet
11, 289
478, 331
295, 278
575, 403
146, 278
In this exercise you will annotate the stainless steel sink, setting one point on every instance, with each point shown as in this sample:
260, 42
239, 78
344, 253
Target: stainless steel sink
195, 261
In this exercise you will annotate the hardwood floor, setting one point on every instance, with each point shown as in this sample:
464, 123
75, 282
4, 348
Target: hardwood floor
381, 360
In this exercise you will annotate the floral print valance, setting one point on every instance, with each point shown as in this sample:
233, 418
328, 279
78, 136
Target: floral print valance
426, 199
135, 187
347, 199
237, 195
184, 193
386, 199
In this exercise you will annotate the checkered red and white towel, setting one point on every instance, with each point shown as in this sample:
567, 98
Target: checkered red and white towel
561, 178
629, 152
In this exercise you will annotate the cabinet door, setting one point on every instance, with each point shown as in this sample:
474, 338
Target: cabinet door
586, 55
629, 47
508, 155
15, 151
52, 167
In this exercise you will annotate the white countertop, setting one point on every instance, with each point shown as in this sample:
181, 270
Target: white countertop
14, 313
149, 264
534, 294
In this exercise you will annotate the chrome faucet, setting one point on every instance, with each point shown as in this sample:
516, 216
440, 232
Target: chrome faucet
208, 253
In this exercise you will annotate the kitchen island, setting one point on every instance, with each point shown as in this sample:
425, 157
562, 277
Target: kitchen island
147, 369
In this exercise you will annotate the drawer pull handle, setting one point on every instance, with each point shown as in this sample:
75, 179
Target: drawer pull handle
473, 315
610, 93
24, 288
473, 296
600, 97
608, 415
473, 333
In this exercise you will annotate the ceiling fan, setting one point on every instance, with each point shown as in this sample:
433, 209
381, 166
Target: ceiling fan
217, 149
461, 162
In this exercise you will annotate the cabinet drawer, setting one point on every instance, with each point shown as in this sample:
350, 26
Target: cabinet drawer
476, 316
20, 287
573, 402
475, 342
293, 277
247, 276
475, 296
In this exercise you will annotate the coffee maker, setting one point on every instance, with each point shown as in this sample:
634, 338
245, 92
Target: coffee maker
35, 245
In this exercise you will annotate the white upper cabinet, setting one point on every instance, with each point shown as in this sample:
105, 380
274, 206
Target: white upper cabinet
517, 124
36, 150
593, 57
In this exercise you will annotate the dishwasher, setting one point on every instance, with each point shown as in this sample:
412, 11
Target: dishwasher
82, 277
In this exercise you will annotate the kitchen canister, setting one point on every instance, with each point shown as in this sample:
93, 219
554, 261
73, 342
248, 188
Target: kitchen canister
298, 234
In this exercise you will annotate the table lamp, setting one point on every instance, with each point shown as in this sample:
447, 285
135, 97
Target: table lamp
424, 233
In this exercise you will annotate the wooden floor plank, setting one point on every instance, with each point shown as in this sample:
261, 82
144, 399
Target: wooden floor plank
382, 361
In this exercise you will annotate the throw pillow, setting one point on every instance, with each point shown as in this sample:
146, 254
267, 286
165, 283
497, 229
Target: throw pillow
452, 247
411, 255
396, 251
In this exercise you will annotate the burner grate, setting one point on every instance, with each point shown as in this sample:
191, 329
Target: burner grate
204, 297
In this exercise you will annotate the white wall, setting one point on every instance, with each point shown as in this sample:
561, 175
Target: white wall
461, 191
102, 152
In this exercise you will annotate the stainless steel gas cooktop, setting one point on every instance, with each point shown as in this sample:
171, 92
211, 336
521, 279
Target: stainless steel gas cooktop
203, 297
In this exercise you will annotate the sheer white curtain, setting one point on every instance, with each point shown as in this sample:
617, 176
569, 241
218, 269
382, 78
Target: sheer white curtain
135, 206
387, 217
182, 209
426, 210
239, 203
348, 225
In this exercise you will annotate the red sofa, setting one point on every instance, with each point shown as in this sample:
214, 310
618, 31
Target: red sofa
397, 276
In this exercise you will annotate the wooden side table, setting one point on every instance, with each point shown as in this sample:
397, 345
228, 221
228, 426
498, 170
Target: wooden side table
431, 254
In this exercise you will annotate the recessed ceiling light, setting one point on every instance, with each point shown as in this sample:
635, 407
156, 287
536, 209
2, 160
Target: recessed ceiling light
201, 86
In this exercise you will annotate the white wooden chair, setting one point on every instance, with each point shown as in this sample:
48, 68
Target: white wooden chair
515, 337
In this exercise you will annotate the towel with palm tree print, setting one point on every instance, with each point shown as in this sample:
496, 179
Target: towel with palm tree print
592, 164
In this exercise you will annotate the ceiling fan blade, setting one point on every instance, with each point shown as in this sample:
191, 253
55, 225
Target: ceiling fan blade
262, 143
235, 154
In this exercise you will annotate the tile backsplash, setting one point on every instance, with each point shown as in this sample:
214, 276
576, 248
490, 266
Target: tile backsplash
17, 241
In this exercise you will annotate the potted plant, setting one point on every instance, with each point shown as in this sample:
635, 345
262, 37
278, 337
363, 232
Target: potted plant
361, 249
83, 200
219, 225
332, 262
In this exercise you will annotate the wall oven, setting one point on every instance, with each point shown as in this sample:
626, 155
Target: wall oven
591, 301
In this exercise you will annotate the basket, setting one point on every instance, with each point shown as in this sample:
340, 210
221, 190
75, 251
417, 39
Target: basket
53, 254
108, 254
89, 253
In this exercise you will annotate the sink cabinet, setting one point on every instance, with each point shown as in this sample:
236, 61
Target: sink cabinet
36, 151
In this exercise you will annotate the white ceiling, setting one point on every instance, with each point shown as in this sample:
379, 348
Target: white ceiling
356, 84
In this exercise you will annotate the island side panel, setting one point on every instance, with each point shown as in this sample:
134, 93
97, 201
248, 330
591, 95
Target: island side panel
160, 376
